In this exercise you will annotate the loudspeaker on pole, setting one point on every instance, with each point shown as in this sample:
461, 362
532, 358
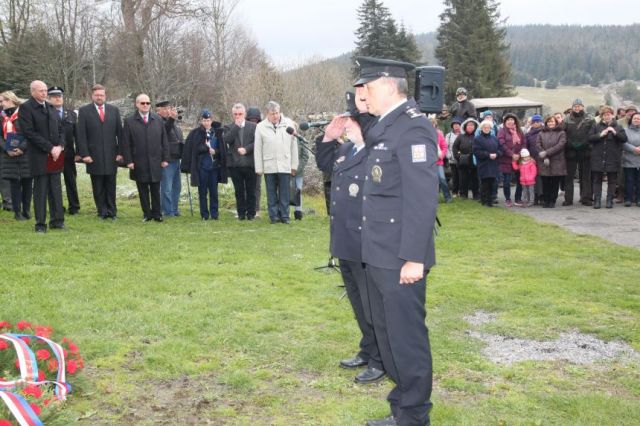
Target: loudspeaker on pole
430, 89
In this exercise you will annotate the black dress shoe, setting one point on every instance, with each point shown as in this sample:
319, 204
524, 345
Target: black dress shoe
74, 211
354, 362
146, 219
158, 219
387, 421
370, 375
18, 216
297, 215
41, 229
26, 215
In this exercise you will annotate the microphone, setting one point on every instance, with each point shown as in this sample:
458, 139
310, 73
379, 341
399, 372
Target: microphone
306, 125
292, 132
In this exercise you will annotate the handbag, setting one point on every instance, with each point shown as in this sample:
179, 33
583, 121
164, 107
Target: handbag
465, 160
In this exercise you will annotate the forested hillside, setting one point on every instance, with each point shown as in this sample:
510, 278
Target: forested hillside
569, 54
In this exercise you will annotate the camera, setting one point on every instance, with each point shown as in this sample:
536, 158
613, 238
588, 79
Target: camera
179, 111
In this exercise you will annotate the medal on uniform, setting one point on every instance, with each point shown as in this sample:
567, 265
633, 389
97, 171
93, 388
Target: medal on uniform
341, 159
353, 190
376, 173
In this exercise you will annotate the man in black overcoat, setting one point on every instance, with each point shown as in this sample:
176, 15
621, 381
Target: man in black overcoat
146, 153
69, 119
42, 128
99, 140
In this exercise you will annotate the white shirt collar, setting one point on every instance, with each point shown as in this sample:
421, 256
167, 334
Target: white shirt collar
393, 107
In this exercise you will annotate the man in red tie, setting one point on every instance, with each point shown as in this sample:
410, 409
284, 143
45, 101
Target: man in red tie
98, 142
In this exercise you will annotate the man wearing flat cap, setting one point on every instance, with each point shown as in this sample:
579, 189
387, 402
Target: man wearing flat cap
400, 199
577, 125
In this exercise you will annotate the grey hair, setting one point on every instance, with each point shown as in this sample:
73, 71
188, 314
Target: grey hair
401, 84
273, 106
238, 106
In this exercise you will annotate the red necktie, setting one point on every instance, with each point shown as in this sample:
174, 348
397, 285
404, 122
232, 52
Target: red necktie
101, 112
145, 119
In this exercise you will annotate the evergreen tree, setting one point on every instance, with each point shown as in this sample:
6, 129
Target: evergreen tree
472, 48
378, 35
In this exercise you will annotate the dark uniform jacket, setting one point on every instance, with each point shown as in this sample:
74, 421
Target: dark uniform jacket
101, 141
69, 120
347, 183
195, 146
233, 142
42, 128
400, 196
606, 153
14, 167
174, 138
146, 146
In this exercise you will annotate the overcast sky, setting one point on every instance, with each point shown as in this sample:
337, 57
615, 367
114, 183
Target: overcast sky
293, 30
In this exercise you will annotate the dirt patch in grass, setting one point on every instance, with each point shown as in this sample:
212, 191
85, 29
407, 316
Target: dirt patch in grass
573, 347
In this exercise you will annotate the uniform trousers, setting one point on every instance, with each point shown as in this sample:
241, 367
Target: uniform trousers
104, 194
21, 193
70, 173
398, 313
148, 190
49, 187
355, 284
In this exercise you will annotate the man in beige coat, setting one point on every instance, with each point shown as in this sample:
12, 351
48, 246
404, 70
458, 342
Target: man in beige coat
275, 153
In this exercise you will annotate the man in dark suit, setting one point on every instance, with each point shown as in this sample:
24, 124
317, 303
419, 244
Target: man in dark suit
146, 153
99, 138
399, 204
68, 118
239, 138
42, 128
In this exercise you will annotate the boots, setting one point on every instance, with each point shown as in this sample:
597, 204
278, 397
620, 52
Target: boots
609, 202
297, 215
597, 203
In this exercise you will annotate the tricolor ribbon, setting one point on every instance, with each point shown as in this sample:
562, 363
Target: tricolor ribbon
20, 409
26, 358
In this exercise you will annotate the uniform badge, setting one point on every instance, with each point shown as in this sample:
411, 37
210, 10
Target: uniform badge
414, 113
419, 153
376, 173
353, 190
341, 159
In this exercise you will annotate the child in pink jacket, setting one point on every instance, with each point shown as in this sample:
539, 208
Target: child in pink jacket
528, 173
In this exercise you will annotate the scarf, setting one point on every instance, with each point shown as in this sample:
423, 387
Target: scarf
7, 123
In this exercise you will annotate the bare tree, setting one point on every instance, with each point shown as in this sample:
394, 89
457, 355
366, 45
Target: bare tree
15, 17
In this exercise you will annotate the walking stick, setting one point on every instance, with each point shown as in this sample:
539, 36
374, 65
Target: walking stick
189, 192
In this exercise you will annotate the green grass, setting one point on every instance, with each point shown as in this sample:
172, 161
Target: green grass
228, 322
561, 98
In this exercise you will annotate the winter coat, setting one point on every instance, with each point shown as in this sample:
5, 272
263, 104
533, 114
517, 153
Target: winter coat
146, 146
303, 158
233, 142
100, 141
451, 138
195, 147
14, 167
629, 157
531, 137
577, 128
509, 148
174, 138
528, 171
483, 145
552, 142
42, 129
463, 146
464, 110
275, 151
606, 153
442, 148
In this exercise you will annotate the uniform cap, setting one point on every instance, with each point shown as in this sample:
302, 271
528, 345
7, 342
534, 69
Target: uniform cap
55, 90
162, 104
373, 68
205, 113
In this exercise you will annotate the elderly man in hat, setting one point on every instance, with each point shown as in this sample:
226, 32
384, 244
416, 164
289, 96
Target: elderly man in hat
69, 119
400, 200
170, 185
41, 126
577, 126
463, 108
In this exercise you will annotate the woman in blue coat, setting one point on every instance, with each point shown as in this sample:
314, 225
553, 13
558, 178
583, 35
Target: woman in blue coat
486, 148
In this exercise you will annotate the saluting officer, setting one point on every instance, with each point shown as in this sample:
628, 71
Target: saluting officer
346, 161
399, 205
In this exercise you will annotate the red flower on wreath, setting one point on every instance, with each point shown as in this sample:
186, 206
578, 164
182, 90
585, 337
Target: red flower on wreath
32, 390
3, 345
53, 365
25, 339
72, 367
41, 376
5, 324
42, 354
5, 422
43, 331
36, 409
23, 324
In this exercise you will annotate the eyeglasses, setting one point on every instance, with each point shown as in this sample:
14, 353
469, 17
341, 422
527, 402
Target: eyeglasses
145, 103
